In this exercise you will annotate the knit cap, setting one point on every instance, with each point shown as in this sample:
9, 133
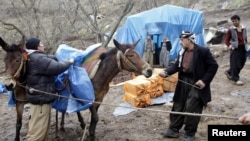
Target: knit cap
32, 43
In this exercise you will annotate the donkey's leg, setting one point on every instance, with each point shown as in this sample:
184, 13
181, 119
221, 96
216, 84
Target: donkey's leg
19, 112
94, 119
81, 120
62, 122
57, 137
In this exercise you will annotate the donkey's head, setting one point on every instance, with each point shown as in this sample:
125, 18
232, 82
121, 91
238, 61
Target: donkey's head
14, 58
131, 60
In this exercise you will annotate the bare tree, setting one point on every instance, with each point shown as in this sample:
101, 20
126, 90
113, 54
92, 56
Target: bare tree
10, 26
78, 23
127, 9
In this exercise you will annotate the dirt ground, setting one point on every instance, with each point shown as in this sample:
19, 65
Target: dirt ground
144, 125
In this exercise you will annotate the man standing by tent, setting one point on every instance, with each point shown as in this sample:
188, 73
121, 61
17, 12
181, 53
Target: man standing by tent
236, 40
196, 69
149, 51
164, 54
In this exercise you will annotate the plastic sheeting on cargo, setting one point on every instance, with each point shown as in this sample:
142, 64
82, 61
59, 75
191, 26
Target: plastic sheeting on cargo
80, 84
80, 87
166, 20
2, 88
11, 98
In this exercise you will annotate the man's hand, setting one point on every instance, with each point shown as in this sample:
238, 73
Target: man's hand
231, 47
200, 84
163, 74
245, 119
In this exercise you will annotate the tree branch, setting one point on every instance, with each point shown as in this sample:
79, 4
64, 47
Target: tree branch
13, 27
127, 9
68, 15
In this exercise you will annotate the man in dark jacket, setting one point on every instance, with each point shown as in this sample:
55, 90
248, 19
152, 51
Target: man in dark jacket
196, 69
41, 72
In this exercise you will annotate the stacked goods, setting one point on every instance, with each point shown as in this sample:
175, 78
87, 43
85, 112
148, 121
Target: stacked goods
156, 86
137, 101
137, 87
137, 92
140, 90
169, 83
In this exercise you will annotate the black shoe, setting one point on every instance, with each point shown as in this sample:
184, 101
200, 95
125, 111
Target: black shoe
188, 138
228, 75
163, 133
170, 133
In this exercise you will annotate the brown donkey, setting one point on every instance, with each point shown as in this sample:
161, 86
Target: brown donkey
15, 71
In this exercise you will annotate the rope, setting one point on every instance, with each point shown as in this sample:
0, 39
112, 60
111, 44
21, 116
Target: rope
146, 109
195, 86
192, 85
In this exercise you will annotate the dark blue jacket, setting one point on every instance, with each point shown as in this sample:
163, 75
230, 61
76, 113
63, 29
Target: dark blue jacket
41, 72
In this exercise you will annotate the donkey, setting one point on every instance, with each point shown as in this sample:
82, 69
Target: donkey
122, 57
15, 70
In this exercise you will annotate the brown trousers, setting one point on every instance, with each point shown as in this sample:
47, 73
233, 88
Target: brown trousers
39, 122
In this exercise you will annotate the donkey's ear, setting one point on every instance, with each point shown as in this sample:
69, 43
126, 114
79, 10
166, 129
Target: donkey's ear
4, 45
135, 43
117, 44
22, 42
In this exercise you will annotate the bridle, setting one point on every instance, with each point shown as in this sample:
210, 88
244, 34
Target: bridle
21, 66
122, 56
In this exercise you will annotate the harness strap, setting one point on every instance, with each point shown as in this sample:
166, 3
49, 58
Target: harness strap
19, 69
94, 70
118, 59
121, 55
22, 65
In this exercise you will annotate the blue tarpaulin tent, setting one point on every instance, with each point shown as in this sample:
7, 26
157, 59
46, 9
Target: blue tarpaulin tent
166, 20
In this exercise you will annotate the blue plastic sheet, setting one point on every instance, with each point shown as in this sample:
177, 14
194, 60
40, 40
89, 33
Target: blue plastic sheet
2, 88
80, 92
66, 52
11, 98
166, 20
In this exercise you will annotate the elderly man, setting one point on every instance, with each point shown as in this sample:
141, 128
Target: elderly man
196, 68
